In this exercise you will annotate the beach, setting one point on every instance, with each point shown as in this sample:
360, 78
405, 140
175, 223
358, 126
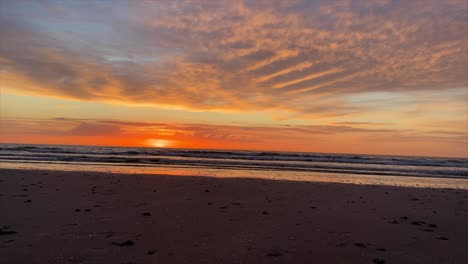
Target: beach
51, 216
243, 132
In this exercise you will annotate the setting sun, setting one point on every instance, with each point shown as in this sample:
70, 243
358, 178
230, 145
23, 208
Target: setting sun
250, 131
159, 143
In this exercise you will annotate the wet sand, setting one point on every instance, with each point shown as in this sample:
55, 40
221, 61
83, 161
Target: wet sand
95, 217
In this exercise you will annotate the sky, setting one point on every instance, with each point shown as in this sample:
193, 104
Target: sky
365, 76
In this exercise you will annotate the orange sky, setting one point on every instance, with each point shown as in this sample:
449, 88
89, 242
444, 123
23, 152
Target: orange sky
379, 77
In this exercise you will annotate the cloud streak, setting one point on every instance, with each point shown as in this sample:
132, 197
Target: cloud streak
343, 137
305, 57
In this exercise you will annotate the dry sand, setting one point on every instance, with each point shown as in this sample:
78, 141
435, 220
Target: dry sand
86, 217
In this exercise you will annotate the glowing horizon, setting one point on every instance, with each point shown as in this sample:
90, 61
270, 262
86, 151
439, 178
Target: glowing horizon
373, 77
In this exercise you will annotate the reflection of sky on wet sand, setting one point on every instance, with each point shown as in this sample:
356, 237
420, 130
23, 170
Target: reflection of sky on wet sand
419, 182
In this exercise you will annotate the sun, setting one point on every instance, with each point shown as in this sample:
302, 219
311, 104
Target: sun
159, 143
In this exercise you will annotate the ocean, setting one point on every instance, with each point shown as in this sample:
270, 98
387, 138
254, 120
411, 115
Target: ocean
230, 161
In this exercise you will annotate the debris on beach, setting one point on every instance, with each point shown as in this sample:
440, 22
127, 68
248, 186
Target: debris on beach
124, 244
151, 252
4, 230
378, 261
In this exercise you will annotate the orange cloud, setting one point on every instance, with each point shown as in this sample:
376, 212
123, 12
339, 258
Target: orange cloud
353, 137
231, 55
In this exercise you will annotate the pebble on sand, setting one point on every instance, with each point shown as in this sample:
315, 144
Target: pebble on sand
360, 245
378, 261
4, 230
124, 244
418, 223
150, 252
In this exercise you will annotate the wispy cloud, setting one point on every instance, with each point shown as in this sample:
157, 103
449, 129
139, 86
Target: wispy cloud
87, 129
233, 55
347, 137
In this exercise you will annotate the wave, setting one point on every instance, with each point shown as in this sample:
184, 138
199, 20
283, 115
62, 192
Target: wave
252, 160
43, 150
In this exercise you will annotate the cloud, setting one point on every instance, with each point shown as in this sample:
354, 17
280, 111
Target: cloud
92, 127
352, 138
361, 123
304, 57
87, 129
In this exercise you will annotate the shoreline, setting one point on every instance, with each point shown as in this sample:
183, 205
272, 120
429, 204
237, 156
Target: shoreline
301, 176
89, 217
138, 167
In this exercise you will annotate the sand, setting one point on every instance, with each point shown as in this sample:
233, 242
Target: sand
86, 217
